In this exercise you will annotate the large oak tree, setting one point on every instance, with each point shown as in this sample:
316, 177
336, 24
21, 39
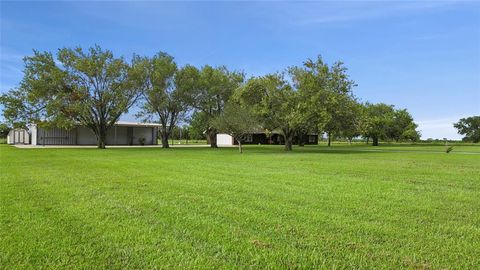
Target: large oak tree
384, 122
167, 91
212, 89
89, 87
326, 93
276, 104
470, 127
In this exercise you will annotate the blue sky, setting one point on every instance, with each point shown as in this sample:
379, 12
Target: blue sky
423, 56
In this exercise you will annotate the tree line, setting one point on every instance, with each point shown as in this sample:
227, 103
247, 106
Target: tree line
93, 88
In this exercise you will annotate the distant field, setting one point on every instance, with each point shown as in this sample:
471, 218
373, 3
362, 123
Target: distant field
393, 206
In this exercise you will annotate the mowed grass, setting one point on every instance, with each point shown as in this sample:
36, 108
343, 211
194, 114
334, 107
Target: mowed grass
184, 208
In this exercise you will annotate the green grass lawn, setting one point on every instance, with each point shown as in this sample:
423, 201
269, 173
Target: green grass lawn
345, 207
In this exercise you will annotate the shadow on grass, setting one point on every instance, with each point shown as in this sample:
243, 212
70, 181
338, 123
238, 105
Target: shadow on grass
310, 149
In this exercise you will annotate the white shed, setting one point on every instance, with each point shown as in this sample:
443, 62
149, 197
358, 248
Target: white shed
224, 139
122, 133
18, 136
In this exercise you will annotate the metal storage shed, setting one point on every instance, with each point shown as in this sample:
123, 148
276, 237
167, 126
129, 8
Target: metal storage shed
122, 133
18, 136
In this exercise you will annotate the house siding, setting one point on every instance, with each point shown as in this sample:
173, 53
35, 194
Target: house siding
261, 138
55, 136
117, 135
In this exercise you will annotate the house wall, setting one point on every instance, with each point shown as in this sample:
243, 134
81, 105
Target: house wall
55, 136
85, 136
147, 133
117, 135
256, 138
261, 138
308, 139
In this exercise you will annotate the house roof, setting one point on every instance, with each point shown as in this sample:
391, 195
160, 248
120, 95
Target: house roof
130, 124
277, 131
136, 124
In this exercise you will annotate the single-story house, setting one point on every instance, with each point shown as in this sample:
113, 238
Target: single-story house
260, 137
122, 133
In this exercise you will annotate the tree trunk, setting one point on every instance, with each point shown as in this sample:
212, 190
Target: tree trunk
349, 141
329, 139
212, 137
102, 138
375, 141
368, 140
165, 141
240, 149
164, 134
288, 142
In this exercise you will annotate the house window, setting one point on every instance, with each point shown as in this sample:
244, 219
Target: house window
311, 138
248, 138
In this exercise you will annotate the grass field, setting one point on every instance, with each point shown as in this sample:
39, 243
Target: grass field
345, 207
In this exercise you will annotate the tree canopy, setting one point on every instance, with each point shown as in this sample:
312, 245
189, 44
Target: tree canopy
384, 122
93, 88
166, 92
470, 128
212, 88
237, 121
81, 87
276, 103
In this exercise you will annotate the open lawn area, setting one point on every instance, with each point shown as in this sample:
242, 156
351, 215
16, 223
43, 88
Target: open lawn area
358, 206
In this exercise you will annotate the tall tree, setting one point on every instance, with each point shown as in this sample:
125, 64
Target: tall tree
470, 128
237, 121
411, 133
275, 103
326, 96
402, 125
212, 89
339, 100
88, 87
382, 121
166, 92
350, 125
310, 81
376, 121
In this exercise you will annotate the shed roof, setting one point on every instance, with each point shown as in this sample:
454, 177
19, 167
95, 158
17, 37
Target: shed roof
136, 124
129, 124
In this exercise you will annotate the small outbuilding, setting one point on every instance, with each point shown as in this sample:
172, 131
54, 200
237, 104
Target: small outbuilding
18, 136
122, 133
